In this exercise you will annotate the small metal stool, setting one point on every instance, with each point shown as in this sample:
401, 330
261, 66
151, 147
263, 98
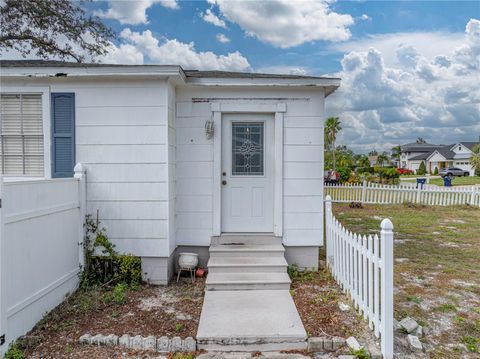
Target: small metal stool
192, 273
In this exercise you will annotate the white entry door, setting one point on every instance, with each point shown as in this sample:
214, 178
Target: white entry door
247, 172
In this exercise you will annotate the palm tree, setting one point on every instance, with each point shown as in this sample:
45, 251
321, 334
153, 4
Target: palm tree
383, 158
475, 159
332, 127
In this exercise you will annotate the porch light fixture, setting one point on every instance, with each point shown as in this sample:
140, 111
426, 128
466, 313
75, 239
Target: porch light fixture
209, 129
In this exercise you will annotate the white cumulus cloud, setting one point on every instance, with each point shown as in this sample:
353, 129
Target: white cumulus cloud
222, 38
436, 97
284, 23
173, 52
213, 19
132, 12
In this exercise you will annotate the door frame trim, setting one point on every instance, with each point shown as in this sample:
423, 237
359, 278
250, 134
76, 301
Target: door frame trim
278, 110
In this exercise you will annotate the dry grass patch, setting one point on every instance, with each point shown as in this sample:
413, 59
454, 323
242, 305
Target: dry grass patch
172, 310
437, 270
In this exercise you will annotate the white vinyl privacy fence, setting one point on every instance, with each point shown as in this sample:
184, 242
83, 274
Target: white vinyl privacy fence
391, 194
41, 228
363, 266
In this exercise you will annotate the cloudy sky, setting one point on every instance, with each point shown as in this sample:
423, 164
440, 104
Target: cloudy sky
409, 69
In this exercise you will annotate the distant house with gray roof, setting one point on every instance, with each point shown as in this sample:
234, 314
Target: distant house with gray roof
439, 156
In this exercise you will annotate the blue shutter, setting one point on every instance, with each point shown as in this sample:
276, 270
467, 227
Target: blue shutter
63, 134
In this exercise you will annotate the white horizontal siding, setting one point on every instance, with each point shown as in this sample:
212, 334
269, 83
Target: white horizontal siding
303, 162
127, 191
122, 135
128, 116
126, 172
107, 154
129, 229
129, 209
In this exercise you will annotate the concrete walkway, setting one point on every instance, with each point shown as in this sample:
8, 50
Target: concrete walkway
252, 320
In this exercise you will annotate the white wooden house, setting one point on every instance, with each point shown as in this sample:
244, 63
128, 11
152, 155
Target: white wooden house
174, 157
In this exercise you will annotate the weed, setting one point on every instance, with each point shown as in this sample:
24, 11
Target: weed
447, 307
361, 354
178, 327
292, 292
118, 294
68, 349
414, 299
14, 352
182, 356
472, 343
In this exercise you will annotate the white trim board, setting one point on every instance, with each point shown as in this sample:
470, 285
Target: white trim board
278, 110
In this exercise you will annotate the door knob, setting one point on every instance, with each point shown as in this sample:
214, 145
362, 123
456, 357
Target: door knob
224, 173
224, 182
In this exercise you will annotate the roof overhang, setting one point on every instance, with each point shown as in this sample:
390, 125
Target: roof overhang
329, 84
147, 71
436, 153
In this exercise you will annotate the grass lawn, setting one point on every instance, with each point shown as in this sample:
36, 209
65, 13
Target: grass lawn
437, 271
458, 181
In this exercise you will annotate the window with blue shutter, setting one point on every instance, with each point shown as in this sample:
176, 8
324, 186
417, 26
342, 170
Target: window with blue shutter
63, 134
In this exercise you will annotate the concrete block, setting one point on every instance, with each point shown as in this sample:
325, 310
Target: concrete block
85, 339
163, 345
97, 340
375, 352
414, 342
189, 345
136, 342
150, 343
176, 344
327, 344
111, 339
124, 340
353, 344
408, 324
315, 344
337, 342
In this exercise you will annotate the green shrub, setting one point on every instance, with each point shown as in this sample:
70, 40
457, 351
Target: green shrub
118, 294
435, 171
422, 169
103, 265
344, 173
14, 352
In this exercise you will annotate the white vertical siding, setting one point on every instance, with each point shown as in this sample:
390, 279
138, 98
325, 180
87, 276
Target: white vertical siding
171, 167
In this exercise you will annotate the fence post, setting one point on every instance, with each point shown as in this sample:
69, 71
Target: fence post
82, 198
386, 297
3, 276
328, 226
364, 191
472, 197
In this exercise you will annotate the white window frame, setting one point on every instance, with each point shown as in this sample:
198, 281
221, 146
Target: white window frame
45, 92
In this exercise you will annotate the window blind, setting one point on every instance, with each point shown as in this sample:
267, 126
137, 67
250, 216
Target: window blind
21, 135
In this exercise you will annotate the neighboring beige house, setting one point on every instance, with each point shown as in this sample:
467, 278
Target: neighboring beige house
439, 156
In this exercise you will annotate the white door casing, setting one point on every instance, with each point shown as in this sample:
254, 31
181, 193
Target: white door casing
219, 108
248, 173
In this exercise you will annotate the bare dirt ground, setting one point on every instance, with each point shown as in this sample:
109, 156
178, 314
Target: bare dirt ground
172, 310
437, 272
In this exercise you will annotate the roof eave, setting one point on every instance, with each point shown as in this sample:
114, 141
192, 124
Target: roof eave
330, 84
85, 72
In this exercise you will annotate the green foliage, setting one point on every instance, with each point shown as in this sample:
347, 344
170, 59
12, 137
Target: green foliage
472, 343
475, 159
14, 352
56, 29
103, 265
447, 307
361, 353
387, 174
183, 356
178, 326
421, 169
435, 171
344, 173
118, 294
414, 299
296, 274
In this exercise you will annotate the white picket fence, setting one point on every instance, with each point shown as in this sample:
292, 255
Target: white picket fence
396, 194
363, 266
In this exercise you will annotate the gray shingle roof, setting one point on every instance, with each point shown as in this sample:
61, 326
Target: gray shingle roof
188, 73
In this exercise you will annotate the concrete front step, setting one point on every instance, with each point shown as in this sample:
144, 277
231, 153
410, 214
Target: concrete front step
247, 250
254, 238
250, 321
247, 281
247, 265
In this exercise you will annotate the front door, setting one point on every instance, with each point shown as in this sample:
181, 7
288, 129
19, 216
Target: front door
247, 173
